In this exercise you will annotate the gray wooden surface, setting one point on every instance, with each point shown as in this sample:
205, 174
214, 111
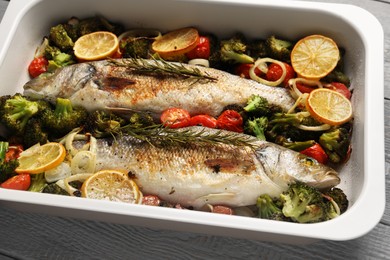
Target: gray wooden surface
34, 236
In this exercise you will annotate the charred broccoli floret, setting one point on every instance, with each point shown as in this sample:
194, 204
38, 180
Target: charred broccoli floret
60, 38
257, 127
303, 204
339, 197
141, 119
102, 123
336, 144
60, 60
136, 47
34, 133
38, 182
63, 118
16, 111
258, 49
337, 76
7, 167
234, 50
53, 188
279, 49
268, 208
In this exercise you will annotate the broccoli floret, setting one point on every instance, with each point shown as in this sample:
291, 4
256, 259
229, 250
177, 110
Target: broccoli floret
234, 49
60, 38
60, 60
63, 118
279, 49
258, 49
339, 197
7, 167
260, 106
97, 23
257, 127
269, 208
34, 133
136, 48
141, 119
53, 188
336, 144
16, 111
103, 123
337, 76
38, 182
303, 204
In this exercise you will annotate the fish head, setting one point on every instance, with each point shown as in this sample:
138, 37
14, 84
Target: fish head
63, 82
284, 166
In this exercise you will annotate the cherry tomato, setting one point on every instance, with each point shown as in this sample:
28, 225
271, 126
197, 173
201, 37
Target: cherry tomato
242, 70
37, 66
151, 200
222, 210
305, 89
230, 120
201, 51
175, 117
317, 153
275, 72
13, 152
17, 182
203, 120
341, 88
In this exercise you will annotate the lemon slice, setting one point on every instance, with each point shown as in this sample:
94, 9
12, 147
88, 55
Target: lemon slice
329, 107
40, 158
314, 56
96, 46
111, 185
176, 43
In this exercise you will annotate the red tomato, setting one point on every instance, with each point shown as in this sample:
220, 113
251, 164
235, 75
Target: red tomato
175, 117
242, 70
317, 153
305, 89
341, 88
230, 120
204, 120
17, 182
275, 72
37, 66
151, 200
222, 210
13, 152
201, 51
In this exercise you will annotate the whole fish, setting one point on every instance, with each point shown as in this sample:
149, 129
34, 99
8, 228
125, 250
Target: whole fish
195, 174
101, 84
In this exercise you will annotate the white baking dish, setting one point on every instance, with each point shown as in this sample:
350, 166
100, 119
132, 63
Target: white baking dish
26, 21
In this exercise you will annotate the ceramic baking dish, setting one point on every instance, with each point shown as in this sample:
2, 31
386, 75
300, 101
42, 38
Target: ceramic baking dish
356, 30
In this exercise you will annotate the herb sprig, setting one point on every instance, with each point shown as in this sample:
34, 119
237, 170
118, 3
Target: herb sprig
162, 67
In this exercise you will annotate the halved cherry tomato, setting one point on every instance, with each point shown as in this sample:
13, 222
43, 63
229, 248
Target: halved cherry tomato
305, 89
13, 152
203, 120
230, 120
17, 182
222, 210
316, 152
37, 66
201, 51
175, 117
242, 70
275, 72
341, 88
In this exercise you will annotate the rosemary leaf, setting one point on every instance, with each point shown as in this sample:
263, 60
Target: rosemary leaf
162, 67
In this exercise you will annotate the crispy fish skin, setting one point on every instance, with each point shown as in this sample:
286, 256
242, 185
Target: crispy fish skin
194, 175
100, 84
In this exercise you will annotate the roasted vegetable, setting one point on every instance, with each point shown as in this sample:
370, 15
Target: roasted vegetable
268, 208
336, 144
279, 49
60, 38
257, 127
7, 167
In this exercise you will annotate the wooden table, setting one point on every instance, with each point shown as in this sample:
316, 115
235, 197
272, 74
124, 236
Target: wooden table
34, 236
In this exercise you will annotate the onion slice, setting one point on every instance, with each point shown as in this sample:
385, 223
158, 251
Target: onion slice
260, 64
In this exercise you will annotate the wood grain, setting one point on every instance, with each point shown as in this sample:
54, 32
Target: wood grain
36, 236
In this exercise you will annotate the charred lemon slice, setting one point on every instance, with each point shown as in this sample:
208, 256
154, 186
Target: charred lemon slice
111, 185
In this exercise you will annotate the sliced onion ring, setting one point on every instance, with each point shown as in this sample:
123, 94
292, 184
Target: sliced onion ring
260, 65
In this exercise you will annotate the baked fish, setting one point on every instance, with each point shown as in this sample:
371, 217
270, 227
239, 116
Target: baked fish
195, 174
115, 83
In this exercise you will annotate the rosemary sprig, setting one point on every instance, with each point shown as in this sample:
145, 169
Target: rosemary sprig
158, 135
162, 67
